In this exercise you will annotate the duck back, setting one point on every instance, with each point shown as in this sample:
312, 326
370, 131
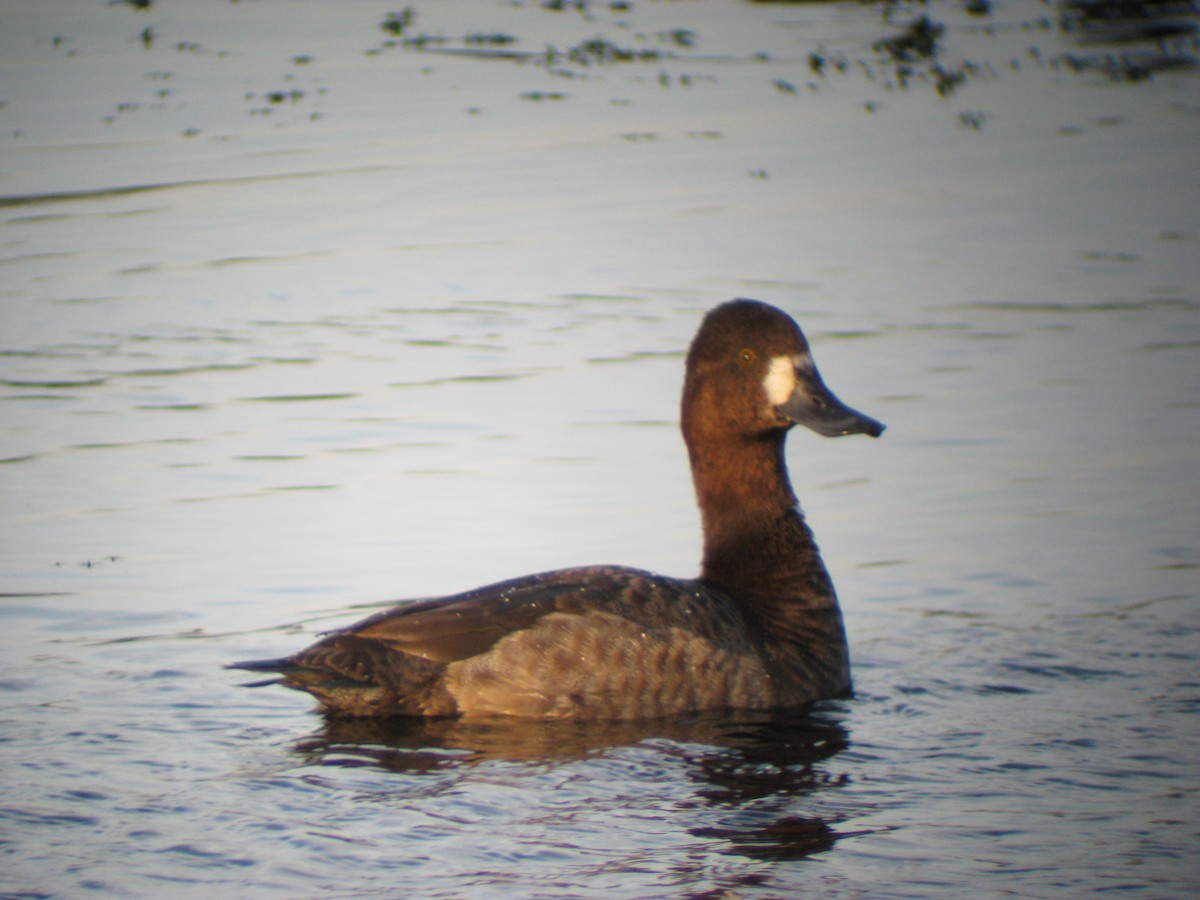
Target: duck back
597, 642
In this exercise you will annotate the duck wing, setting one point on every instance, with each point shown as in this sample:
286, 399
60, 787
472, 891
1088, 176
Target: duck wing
450, 629
396, 661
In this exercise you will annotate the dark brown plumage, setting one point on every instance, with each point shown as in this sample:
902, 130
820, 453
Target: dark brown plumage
759, 629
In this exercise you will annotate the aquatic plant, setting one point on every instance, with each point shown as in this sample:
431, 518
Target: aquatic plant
493, 40
539, 96
971, 120
1148, 36
600, 50
680, 37
396, 22
917, 41
277, 97
945, 81
421, 41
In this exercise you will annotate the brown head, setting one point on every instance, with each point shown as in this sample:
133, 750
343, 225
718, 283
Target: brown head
750, 374
750, 378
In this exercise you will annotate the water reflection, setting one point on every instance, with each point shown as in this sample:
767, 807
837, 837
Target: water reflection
413, 745
753, 769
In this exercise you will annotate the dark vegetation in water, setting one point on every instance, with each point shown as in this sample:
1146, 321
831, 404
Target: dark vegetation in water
1124, 40
916, 42
915, 49
1130, 40
396, 22
91, 563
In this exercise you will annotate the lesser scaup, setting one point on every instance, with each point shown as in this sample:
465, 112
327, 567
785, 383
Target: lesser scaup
760, 628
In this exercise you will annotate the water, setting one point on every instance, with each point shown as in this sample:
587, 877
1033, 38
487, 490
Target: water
295, 316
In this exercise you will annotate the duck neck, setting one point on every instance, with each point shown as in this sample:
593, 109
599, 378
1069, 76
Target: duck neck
757, 545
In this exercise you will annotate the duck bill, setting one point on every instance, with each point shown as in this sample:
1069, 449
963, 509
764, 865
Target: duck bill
814, 406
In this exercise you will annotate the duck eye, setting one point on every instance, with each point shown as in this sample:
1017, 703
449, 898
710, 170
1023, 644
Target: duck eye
746, 357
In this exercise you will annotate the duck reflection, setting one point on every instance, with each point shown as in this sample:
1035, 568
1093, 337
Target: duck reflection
752, 768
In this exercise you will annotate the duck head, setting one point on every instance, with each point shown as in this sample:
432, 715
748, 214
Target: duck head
750, 374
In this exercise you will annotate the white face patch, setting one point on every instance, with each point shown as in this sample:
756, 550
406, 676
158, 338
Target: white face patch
780, 380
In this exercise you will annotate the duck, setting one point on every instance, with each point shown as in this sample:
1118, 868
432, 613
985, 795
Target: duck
760, 627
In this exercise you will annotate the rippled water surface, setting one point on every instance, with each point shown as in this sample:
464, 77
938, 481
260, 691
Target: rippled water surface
301, 314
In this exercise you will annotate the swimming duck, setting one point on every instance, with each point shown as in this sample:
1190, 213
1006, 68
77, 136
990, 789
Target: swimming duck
760, 628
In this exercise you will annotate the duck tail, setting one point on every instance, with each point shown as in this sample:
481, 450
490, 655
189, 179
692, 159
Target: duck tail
279, 666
